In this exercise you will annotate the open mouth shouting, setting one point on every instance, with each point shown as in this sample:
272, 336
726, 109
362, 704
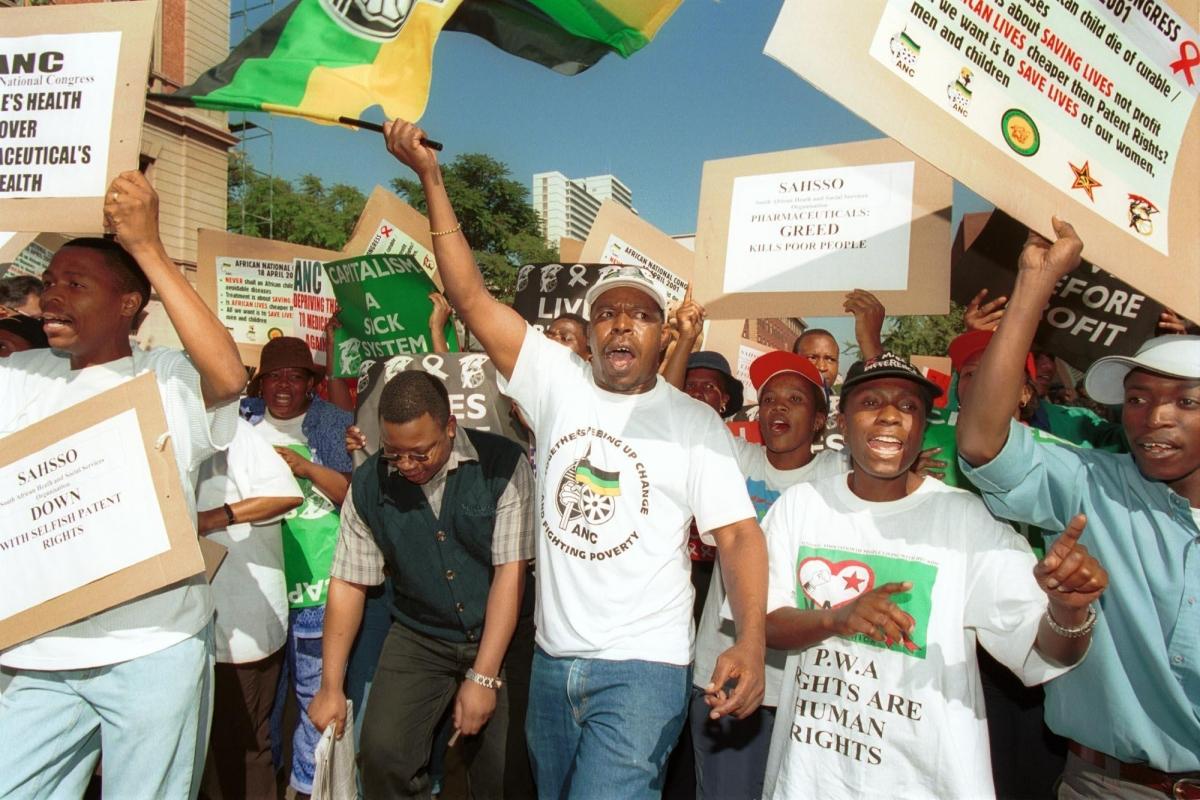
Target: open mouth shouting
885, 445
778, 424
620, 356
56, 326
1155, 449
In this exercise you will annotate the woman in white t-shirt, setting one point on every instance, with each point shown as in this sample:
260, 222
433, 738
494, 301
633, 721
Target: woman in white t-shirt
242, 493
731, 754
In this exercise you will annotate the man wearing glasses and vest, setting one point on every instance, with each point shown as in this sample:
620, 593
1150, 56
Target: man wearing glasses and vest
448, 513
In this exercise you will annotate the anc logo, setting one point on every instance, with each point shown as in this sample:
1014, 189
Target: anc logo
1020, 132
378, 20
587, 492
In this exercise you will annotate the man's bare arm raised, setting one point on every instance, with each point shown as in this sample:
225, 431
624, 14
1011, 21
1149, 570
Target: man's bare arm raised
500, 329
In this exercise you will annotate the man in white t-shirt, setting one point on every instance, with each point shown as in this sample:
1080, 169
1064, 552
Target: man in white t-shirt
242, 494
731, 754
624, 463
881, 583
135, 681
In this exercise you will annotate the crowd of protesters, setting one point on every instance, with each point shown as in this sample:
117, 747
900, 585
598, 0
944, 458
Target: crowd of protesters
895, 589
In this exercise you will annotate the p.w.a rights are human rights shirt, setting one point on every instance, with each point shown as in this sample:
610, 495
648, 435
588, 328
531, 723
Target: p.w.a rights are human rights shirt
858, 718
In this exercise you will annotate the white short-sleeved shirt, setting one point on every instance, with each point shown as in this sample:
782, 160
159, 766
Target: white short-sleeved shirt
716, 633
858, 719
619, 479
249, 589
38, 383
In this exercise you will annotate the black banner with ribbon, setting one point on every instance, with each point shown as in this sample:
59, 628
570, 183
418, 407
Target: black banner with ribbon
470, 379
547, 291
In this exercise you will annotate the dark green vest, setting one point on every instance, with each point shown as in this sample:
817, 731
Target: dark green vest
441, 567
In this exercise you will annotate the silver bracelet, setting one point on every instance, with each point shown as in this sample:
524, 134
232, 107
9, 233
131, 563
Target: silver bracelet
1073, 633
483, 680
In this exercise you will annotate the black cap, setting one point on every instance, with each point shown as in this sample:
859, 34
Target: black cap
709, 359
27, 327
888, 365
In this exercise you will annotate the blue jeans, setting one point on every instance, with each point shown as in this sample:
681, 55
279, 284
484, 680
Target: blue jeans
150, 715
301, 671
603, 729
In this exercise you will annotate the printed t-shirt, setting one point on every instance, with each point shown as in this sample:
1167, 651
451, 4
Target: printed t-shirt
282, 432
310, 530
861, 719
38, 383
619, 479
716, 632
248, 590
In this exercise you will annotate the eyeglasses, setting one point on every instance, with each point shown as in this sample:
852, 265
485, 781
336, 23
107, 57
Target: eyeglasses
417, 458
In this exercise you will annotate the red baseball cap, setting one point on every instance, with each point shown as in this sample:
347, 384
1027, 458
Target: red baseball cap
968, 344
776, 362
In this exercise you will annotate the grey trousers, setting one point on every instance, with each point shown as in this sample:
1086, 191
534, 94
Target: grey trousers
415, 683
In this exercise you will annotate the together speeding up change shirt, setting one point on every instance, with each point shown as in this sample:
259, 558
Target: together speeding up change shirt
619, 479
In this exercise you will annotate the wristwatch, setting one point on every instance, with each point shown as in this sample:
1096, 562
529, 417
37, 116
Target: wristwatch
483, 680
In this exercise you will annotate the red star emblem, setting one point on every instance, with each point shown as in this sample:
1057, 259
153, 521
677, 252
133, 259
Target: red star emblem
853, 581
1084, 179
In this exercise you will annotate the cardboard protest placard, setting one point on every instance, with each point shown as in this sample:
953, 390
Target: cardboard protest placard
790, 233
1091, 313
384, 310
545, 292
390, 226
570, 251
261, 289
72, 94
470, 378
619, 236
89, 519
29, 253
313, 303
1082, 109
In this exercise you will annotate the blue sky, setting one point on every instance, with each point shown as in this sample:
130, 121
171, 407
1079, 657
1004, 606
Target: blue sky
702, 90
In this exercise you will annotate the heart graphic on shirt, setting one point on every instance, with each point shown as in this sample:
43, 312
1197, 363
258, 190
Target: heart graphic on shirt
830, 585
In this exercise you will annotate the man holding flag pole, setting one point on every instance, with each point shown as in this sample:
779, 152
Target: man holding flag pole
627, 462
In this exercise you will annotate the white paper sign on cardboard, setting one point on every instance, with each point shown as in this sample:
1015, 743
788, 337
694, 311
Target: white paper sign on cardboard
75, 511
832, 229
255, 298
56, 110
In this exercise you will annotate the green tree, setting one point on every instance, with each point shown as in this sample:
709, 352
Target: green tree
306, 212
921, 335
495, 214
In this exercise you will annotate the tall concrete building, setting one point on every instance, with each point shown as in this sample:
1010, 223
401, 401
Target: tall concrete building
567, 207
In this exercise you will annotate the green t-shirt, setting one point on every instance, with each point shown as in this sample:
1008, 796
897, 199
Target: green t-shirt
941, 428
310, 534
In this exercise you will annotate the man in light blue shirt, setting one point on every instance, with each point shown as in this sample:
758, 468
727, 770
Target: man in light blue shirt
1132, 708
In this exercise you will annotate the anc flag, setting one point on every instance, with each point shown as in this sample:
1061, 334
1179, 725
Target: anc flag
598, 480
325, 59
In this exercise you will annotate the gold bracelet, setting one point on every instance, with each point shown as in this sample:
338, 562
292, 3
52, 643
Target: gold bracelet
455, 229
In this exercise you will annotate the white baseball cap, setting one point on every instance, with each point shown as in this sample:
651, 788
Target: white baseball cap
1174, 355
625, 275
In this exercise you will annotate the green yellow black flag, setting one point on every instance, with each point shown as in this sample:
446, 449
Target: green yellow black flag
325, 59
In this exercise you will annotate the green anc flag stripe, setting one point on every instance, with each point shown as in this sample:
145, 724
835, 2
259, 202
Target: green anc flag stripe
598, 480
307, 39
624, 25
305, 61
